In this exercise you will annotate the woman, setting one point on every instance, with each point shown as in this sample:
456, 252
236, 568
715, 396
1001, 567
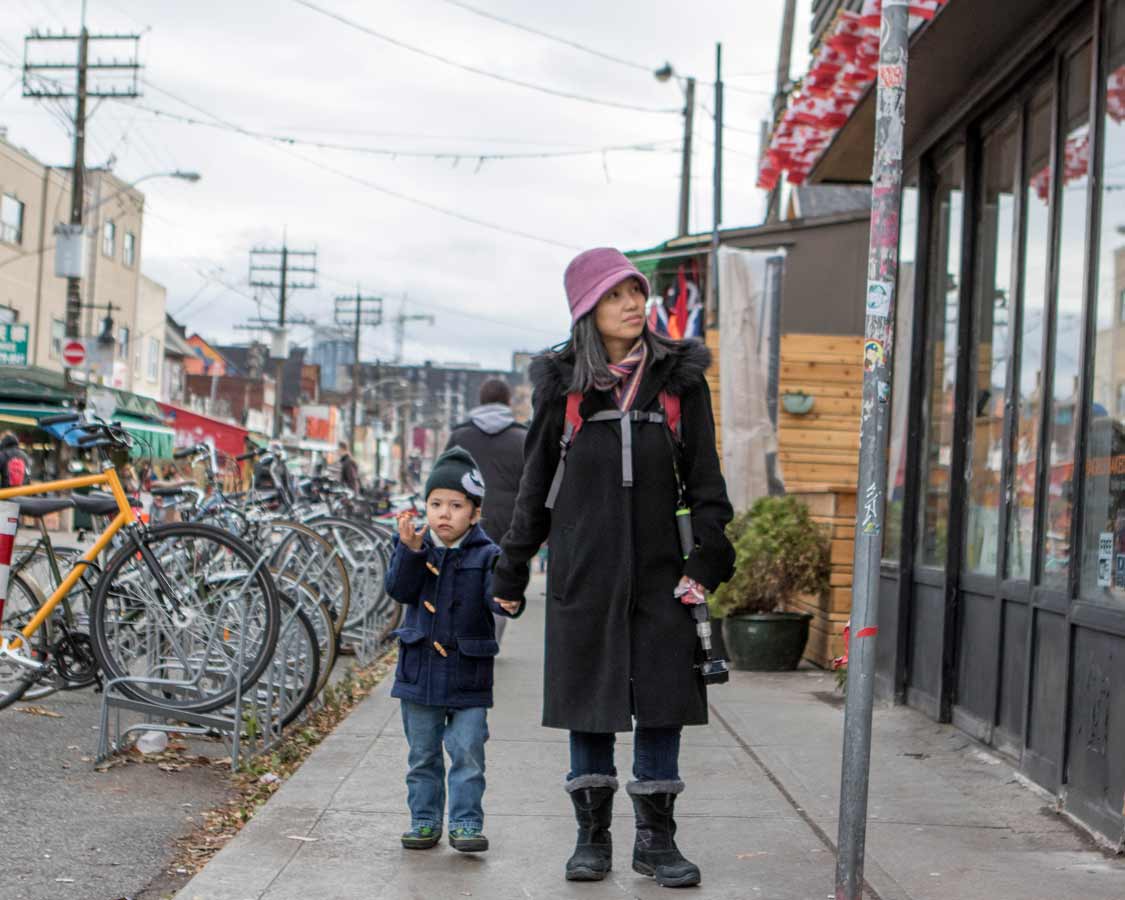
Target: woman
620, 646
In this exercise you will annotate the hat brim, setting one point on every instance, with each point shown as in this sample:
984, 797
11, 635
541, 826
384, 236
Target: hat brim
608, 281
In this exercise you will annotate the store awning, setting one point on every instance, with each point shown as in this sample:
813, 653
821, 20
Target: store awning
32, 385
149, 438
26, 415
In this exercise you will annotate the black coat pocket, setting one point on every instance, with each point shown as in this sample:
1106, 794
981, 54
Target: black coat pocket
410, 650
474, 663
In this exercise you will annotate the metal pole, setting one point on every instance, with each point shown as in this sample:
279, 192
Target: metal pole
716, 189
77, 187
882, 273
685, 164
355, 365
280, 367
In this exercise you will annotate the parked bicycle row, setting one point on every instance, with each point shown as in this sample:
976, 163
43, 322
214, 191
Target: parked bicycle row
249, 595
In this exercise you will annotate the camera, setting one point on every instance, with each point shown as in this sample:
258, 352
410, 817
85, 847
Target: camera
714, 671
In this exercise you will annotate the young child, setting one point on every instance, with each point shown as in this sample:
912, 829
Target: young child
442, 573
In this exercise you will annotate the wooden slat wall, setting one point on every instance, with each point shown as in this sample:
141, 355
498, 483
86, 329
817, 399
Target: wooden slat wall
820, 450
711, 338
820, 462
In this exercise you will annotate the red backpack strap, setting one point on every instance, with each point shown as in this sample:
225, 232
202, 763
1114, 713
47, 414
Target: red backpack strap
670, 403
571, 428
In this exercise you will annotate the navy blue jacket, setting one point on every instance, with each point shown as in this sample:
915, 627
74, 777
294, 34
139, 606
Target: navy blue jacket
457, 584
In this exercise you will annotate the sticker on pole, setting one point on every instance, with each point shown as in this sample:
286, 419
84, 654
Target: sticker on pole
873, 355
74, 353
879, 295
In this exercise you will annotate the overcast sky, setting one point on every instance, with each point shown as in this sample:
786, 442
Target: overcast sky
280, 68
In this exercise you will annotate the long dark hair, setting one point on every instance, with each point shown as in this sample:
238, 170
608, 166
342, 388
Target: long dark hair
585, 351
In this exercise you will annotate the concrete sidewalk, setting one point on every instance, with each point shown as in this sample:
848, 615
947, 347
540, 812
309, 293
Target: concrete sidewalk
758, 816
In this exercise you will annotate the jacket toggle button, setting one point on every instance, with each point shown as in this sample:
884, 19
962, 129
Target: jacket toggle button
440, 649
433, 568
430, 606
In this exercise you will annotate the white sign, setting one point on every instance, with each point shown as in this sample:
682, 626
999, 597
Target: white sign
70, 252
1105, 558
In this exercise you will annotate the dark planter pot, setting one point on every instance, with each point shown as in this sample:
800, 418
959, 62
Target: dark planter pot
718, 644
768, 642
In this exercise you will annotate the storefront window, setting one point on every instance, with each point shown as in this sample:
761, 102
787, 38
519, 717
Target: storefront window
1033, 284
943, 289
1064, 395
1103, 534
992, 305
900, 388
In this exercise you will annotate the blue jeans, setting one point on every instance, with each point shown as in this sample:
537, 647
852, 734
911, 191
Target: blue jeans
656, 754
463, 733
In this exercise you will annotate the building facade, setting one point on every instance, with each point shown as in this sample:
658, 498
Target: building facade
1002, 597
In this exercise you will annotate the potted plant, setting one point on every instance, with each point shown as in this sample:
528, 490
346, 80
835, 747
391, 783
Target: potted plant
780, 552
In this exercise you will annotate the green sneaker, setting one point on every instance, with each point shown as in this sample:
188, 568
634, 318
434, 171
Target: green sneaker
468, 840
423, 837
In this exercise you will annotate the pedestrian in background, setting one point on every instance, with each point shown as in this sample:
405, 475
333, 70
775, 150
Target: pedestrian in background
495, 439
620, 646
442, 574
349, 471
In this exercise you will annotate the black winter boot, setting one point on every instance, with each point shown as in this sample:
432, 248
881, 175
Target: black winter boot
655, 852
592, 796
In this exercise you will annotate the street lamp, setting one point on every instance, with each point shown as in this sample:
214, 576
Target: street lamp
664, 74
190, 177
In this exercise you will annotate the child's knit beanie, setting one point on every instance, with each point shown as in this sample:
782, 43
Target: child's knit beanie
456, 470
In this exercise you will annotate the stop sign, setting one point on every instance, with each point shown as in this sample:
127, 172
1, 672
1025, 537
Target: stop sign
74, 353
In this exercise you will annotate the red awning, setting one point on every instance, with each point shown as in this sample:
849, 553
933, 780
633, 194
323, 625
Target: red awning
192, 428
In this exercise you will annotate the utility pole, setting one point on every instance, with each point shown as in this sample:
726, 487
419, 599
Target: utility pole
401, 321
882, 277
685, 163
273, 268
40, 81
717, 186
781, 94
357, 311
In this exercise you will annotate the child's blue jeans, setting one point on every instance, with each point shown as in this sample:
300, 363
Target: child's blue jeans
463, 733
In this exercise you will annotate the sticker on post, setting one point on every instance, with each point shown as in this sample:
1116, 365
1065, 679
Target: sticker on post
1105, 558
873, 355
879, 295
871, 500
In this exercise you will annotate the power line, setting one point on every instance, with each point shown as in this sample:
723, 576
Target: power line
398, 195
481, 156
358, 26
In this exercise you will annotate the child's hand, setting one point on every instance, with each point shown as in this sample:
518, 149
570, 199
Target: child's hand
511, 607
407, 533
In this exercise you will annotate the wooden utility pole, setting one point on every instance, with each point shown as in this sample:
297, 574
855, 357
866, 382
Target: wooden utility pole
357, 311
41, 82
273, 268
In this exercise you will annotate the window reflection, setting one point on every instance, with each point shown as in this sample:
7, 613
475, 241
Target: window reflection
992, 302
900, 387
941, 362
1068, 322
1103, 540
1033, 284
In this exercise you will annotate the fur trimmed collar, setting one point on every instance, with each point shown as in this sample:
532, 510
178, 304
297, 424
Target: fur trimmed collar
678, 372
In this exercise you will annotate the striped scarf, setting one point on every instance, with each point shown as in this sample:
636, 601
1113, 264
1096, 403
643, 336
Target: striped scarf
627, 376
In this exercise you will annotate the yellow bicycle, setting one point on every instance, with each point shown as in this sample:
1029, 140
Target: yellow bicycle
182, 615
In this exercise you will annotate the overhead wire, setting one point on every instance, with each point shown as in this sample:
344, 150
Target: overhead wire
398, 195
476, 70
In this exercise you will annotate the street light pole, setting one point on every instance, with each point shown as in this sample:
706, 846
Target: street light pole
665, 73
882, 276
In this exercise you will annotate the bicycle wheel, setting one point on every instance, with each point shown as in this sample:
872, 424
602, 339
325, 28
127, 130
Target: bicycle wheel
310, 558
289, 683
362, 554
18, 682
228, 518
320, 616
191, 650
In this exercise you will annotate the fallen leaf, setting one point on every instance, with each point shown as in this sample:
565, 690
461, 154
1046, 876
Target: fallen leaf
39, 711
754, 854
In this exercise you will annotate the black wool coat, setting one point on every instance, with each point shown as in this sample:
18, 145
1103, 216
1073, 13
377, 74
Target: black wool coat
619, 646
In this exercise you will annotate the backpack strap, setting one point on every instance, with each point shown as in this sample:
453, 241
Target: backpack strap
573, 424
670, 403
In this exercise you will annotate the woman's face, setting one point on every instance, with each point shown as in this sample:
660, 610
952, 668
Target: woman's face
620, 314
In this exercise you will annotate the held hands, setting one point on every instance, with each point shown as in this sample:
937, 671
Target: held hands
511, 607
407, 533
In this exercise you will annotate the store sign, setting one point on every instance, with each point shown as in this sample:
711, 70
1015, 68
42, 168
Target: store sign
318, 423
13, 345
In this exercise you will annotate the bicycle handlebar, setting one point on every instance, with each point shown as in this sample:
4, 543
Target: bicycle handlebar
250, 454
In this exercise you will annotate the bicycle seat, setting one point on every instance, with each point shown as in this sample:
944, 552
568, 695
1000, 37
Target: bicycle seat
35, 507
95, 504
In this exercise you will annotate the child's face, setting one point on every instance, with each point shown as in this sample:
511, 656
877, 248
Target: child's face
450, 514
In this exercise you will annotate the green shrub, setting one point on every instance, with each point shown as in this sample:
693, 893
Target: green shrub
780, 552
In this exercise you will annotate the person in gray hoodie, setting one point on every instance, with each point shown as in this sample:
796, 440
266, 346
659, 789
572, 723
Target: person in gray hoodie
495, 439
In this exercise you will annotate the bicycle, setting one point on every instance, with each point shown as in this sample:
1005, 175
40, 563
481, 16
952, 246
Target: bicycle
183, 615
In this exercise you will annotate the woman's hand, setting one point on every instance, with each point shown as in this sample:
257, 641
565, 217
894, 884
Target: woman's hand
511, 607
407, 533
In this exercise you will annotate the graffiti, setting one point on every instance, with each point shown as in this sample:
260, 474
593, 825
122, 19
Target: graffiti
871, 499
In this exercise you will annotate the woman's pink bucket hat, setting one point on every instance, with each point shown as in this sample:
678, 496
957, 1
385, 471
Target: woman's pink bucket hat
592, 273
